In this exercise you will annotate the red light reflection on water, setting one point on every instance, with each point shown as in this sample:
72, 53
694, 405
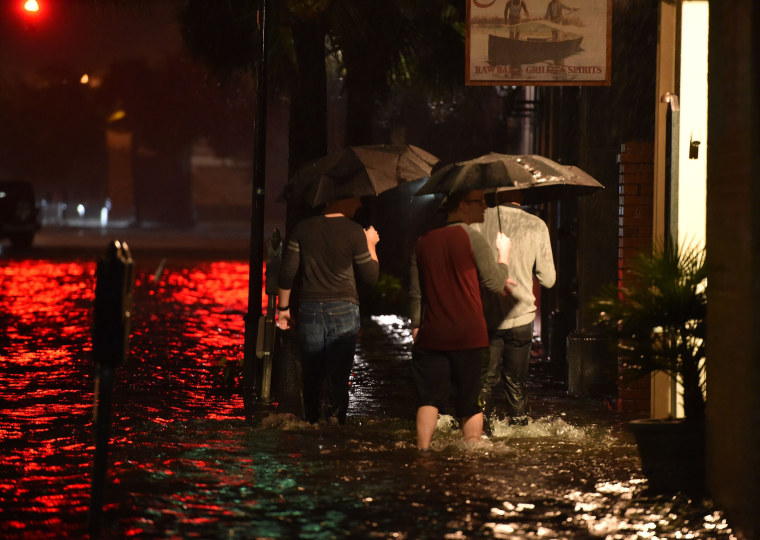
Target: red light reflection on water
182, 328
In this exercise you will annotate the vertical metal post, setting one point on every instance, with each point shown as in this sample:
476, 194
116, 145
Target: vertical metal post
110, 339
250, 364
267, 329
672, 142
672, 127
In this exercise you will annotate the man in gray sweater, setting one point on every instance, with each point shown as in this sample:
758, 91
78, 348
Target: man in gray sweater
510, 316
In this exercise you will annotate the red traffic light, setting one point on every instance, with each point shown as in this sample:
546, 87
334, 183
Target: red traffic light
32, 11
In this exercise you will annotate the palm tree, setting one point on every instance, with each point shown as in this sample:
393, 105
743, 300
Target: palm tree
659, 323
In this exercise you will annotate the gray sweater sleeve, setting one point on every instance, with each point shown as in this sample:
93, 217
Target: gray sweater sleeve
415, 293
545, 272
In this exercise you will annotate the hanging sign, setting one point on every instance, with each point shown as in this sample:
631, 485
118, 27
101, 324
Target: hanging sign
538, 42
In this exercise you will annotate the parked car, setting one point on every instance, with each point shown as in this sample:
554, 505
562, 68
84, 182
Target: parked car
19, 215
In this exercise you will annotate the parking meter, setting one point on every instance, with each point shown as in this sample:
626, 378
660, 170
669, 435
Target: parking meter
110, 339
274, 262
113, 306
267, 328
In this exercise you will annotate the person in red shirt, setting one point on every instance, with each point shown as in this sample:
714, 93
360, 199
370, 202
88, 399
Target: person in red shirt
449, 265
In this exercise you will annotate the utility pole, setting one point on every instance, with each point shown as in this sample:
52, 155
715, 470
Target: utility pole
251, 366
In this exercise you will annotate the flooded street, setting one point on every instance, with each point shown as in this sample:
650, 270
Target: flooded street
185, 464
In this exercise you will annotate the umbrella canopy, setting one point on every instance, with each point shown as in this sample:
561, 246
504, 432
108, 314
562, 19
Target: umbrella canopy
490, 171
357, 171
552, 181
538, 178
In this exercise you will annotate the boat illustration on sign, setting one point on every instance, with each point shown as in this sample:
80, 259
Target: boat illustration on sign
531, 42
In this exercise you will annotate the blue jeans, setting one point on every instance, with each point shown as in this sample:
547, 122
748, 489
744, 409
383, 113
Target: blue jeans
328, 333
510, 358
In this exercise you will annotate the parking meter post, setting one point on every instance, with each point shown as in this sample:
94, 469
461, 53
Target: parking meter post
252, 365
110, 341
267, 325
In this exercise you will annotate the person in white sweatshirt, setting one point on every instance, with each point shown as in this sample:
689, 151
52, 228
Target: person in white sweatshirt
510, 316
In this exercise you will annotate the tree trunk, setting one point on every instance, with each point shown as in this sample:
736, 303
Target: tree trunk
364, 81
308, 107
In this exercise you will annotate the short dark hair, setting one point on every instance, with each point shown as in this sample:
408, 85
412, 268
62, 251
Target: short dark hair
452, 200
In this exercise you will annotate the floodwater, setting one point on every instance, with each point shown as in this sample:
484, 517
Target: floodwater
184, 463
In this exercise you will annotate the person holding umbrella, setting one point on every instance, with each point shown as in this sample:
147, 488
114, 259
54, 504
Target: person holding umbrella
510, 316
331, 251
448, 267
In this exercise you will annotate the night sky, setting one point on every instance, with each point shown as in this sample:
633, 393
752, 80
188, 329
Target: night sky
77, 37
84, 35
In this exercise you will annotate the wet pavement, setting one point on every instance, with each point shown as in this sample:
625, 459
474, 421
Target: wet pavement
225, 241
184, 463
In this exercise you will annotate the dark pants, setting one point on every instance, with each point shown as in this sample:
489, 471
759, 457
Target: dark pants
438, 374
509, 361
328, 333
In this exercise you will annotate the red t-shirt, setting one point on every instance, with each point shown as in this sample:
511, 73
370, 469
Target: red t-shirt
452, 315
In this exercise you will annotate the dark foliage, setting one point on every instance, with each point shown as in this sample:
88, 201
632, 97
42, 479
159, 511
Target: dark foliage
659, 324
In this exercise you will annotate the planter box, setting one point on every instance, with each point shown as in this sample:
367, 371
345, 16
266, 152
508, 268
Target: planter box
672, 454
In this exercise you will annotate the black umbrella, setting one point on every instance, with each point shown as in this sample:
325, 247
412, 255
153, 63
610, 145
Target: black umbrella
357, 171
490, 171
537, 178
550, 181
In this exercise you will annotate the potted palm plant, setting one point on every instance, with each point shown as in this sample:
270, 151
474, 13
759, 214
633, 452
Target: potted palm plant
658, 324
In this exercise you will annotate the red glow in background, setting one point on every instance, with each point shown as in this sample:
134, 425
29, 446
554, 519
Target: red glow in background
184, 328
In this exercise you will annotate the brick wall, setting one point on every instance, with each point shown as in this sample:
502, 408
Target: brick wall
635, 216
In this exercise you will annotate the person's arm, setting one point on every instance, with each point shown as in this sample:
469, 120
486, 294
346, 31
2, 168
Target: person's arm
372, 239
503, 248
365, 255
284, 320
288, 270
415, 296
493, 273
544, 270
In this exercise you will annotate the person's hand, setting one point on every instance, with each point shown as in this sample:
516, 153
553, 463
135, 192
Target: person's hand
504, 247
372, 236
415, 331
509, 283
284, 321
